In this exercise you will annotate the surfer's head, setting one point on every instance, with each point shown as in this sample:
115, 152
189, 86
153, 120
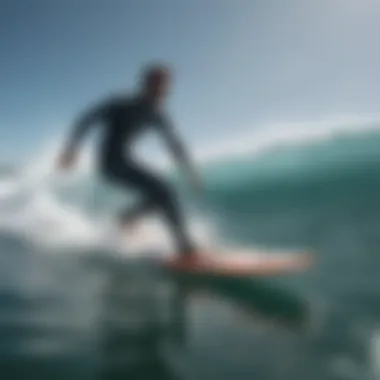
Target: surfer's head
155, 82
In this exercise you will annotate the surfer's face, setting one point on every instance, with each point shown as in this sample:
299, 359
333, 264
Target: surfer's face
157, 86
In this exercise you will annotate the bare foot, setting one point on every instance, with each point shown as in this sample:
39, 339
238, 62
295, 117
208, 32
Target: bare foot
188, 259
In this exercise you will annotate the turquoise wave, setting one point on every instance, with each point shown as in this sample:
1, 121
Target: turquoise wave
296, 195
345, 166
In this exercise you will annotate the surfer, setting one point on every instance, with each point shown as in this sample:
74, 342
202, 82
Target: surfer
123, 119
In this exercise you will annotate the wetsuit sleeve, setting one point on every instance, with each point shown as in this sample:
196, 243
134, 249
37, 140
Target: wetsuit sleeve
84, 123
173, 140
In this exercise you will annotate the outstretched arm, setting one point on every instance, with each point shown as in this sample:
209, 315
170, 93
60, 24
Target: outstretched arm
178, 150
83, 125
80, 129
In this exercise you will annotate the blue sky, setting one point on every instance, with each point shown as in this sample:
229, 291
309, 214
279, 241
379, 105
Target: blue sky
239, 63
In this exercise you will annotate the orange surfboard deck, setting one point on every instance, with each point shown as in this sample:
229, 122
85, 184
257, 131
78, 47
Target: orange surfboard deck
253, 264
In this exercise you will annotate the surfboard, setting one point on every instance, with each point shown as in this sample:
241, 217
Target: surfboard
237, 264
246, 280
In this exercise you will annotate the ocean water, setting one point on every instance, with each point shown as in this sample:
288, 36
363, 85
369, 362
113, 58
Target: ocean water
77, 303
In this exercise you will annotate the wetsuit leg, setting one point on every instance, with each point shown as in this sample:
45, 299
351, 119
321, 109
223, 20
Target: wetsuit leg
157, 196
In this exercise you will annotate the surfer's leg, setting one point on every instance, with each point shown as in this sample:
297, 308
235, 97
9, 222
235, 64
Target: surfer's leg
169, 206
131, 215
157, 195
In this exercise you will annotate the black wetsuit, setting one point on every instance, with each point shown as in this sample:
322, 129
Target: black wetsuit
123, 120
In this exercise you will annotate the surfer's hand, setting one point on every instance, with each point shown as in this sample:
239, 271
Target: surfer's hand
67, 159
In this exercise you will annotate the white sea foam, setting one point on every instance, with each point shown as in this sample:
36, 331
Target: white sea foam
30, 205
276, 135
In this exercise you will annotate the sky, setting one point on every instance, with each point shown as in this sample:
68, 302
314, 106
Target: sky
239, 64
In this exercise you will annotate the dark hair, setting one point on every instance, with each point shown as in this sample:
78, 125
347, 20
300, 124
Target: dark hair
153, 71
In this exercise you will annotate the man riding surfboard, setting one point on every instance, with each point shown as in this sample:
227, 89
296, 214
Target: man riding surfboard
123, 119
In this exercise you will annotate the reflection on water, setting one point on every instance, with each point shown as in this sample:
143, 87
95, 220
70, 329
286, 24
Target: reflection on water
68, 318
